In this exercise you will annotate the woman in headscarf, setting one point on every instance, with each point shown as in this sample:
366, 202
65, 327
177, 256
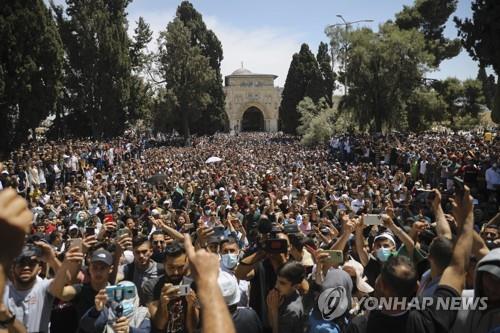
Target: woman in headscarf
110, 316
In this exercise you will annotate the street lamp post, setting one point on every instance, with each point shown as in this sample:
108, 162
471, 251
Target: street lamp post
344, 61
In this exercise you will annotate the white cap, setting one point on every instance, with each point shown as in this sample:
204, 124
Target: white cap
73, 227
284, 198
155, 212
221, 189
229, 288
385, 235
129, 256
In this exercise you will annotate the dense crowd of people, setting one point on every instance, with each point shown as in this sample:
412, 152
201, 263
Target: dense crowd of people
110, 244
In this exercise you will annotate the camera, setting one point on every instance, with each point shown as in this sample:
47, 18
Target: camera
119, 293
272, 244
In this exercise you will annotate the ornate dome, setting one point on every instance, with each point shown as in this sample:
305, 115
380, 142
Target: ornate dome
242, 71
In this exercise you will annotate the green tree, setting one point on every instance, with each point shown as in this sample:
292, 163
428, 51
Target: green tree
316, 121
142, 37
141, 92
488, 83
328, 76
187, 73
473, 97
304, 79
97, 66
424, 107
452, 91
30, 68
480, 39
430, 17
384, 69
213, 116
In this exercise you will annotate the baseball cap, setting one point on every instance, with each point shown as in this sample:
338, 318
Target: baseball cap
102, 256
229, 288
73, 227
385, 235
155, 212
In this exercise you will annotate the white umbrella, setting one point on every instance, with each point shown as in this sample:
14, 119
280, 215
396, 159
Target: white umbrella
213, 159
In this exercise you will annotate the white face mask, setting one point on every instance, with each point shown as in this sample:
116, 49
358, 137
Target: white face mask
229, 260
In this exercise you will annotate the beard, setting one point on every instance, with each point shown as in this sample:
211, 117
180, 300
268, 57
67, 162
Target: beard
25, 282
176, 279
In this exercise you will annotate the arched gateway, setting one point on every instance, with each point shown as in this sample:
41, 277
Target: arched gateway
252, 101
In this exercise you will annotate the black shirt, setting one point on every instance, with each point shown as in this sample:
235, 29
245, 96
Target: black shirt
177, 309
372, 270
414, 321
246, 321
84, 299
263, 281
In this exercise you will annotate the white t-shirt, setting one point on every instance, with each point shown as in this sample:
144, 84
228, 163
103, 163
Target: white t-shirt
32, 307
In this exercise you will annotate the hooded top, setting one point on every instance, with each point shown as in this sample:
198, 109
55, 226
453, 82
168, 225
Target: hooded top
480, 321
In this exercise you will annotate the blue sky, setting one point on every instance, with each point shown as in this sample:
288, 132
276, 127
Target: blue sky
264, 34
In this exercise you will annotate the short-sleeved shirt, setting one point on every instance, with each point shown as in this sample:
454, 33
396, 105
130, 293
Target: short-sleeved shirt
177, 310
32, 307
291, 316
415, 321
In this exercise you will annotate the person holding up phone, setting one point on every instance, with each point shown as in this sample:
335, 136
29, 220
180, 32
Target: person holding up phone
383, 247
102, 317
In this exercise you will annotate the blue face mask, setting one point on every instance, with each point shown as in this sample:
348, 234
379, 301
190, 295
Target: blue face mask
127, 307
230, 260
383, 254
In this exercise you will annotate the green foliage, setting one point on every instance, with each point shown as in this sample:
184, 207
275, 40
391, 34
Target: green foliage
97, 67
384, 70
430, 17
495, 113
473, 97
187, 73
489, 84
304, 79
30, 68
213, 116
141, 92
480, 39
328, 76
316, 121
424, 107
142, 37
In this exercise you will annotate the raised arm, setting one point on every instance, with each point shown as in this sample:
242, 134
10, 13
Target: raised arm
442, 225
71, 265
205, 269
454, 275
360, 243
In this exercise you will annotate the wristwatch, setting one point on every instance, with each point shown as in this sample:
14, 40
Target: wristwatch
6, 323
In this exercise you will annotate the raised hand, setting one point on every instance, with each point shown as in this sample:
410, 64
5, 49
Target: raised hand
100, 300
15, 221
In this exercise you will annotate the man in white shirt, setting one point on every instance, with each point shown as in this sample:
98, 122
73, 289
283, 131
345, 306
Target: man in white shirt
492, 178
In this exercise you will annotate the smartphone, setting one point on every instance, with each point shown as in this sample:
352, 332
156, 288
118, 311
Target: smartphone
219, 231
76, 242
184, 289
89, 231
372, 219
188, 226
121, 232
335, 257
459, 186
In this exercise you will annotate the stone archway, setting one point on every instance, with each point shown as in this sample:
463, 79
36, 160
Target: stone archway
253, 120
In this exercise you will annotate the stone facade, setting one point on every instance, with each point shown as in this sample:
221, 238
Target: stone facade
246, 90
